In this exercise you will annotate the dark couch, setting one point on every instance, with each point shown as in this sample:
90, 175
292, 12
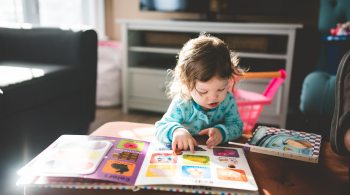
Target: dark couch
317, 94
48, 84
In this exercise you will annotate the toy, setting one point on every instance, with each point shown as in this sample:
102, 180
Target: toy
341, 29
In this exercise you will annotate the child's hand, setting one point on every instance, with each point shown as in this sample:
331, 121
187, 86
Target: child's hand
182, 140
214, 134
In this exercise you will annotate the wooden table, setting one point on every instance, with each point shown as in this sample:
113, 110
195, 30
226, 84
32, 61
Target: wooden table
273, 175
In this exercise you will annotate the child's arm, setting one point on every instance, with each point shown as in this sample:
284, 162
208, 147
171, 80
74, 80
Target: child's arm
171, 120
232, 126
170, 129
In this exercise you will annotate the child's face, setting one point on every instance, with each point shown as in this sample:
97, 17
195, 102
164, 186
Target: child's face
211, 93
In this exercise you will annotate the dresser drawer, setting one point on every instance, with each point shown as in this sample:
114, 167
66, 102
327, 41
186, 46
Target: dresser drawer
147, 83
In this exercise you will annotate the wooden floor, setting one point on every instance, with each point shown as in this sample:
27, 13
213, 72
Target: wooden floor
109, 114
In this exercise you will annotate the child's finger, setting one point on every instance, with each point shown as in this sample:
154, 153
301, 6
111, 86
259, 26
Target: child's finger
211, 133
185, 145
213, 141
191, 147
203, 132
209, 146
194, 142
179, 145
173, 145
209, 141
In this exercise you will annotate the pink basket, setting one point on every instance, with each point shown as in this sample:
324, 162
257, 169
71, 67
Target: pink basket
250, 104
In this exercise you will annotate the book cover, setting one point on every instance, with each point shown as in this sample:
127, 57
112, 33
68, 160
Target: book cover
285, 143
130, 164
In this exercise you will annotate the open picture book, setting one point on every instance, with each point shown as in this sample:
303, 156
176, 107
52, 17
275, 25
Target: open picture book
284, 143
81, 160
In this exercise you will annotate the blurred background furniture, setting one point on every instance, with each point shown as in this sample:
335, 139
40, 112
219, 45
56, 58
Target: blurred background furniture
48, 80
109, 74
317, 93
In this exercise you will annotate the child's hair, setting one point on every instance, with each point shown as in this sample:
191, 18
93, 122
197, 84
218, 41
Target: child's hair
200, 59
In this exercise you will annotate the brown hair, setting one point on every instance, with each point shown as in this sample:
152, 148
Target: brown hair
200, 59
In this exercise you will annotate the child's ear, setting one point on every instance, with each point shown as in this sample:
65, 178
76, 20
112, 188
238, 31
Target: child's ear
231, 84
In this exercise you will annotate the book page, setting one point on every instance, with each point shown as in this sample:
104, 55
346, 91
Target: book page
219, 167
93, 157
135, 162
69, 156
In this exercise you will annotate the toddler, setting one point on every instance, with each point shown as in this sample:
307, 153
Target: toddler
201, 101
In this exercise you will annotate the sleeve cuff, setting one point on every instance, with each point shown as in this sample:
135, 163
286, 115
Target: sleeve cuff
223, 134
170, 133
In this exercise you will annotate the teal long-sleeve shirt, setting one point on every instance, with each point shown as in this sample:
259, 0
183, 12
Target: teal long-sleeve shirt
189, 115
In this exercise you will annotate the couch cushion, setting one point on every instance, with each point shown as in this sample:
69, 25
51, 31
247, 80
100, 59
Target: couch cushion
318, 94
27, 85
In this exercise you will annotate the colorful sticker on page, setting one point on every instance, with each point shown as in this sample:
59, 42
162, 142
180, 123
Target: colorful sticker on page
195, 172
161, 170
163, 158
128, 156
131, 145
116, 167
225, 152
190, 159
231, 174
69, 157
